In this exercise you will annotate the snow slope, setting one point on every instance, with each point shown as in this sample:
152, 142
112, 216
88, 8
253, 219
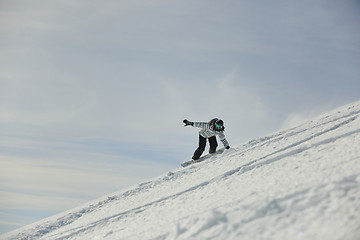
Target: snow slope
301, 183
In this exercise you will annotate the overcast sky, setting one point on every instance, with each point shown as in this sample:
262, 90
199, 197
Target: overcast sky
93, 93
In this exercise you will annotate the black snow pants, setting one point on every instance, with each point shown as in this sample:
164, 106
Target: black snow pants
202, 145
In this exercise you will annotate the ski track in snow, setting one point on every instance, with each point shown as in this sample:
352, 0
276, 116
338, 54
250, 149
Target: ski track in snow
268, 188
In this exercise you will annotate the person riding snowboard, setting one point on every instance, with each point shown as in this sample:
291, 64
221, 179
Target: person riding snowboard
209, 130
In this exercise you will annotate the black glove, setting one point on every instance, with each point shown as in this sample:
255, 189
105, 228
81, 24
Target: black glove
227, 147
188, 122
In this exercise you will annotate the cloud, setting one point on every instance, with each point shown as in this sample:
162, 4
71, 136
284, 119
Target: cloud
129, 71
35, 183
21, 201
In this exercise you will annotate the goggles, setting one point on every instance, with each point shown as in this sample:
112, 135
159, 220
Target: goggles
218, 126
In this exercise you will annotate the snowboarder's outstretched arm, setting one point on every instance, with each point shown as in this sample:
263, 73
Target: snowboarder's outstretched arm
197, 124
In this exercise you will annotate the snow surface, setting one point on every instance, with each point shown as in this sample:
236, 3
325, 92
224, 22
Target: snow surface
301, 183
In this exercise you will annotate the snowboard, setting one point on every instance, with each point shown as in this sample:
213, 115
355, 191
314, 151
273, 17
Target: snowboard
207, 156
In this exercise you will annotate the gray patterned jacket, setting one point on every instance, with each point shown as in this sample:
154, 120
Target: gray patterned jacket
207, 131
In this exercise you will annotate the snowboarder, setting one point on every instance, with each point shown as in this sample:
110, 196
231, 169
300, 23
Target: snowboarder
209, 130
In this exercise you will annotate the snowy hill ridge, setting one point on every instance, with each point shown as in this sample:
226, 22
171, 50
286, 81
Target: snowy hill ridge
301, 183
